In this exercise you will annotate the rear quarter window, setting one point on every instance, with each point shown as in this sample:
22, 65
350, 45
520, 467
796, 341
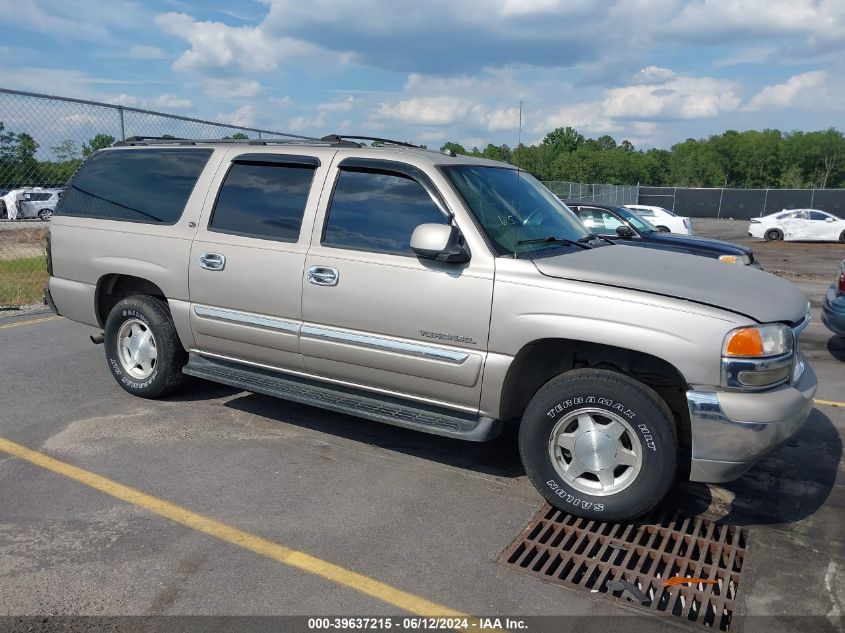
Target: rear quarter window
150, 186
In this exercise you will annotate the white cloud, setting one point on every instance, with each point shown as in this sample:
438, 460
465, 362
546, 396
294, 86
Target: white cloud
232, 88
440, 110
245, 116
146, 52
671, 97
215, 45
160, 102
805, 90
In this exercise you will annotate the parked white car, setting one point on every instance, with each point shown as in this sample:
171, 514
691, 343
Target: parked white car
798, 224
663, 219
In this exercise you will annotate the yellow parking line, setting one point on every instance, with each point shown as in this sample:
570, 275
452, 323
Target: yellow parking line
310, 564
830, 403
30, 322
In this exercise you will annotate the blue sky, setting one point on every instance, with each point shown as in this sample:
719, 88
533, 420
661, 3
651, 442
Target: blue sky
652, 71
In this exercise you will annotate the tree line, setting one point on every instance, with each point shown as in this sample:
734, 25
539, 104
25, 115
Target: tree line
19, 166
750, 159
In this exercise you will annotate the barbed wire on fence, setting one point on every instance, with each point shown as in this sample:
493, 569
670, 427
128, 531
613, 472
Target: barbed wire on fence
43, 140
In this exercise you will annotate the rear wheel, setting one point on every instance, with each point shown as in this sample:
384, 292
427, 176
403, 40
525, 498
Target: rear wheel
773, 235
142, 347
664, 229
599, 444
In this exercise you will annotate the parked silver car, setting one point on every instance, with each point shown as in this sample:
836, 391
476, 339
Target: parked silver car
441, 293
38, 203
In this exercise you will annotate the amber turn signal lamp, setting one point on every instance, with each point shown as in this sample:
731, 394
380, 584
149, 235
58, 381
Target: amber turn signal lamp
745, 342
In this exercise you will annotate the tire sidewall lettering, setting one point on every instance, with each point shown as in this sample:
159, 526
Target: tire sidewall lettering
648, 439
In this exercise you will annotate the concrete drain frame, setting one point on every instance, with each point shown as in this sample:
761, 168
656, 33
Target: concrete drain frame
632, 562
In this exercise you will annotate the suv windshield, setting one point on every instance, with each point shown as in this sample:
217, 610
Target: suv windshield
514, 209
643, 226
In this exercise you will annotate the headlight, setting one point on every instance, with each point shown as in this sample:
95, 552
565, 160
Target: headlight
735, 259
758, 341
757, 357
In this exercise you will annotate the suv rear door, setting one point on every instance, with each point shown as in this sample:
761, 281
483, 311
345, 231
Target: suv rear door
248, 254
376, 315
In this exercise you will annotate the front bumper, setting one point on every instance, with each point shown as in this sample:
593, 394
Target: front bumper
833, 311
732, 430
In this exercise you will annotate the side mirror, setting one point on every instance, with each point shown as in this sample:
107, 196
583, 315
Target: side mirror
441, 242
828, 219
623, 230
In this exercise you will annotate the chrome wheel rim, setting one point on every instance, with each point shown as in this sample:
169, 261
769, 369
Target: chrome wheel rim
136, 348
595, 451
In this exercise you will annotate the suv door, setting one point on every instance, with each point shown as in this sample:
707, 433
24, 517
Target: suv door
376, 315
247, 258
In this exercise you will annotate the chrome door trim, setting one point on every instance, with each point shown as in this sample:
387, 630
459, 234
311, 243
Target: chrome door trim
384, 344
247, 318
335, 381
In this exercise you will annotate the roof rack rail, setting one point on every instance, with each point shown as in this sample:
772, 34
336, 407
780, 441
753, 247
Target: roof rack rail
340, 138
172, 140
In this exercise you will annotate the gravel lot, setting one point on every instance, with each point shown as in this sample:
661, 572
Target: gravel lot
423, 514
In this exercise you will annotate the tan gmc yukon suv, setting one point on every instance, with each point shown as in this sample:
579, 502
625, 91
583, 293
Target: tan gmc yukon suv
442, 293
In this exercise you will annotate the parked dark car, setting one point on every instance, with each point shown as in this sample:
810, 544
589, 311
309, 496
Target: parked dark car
833, 308
623, 226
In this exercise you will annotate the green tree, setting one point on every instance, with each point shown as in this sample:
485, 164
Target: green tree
563, 140
66, 150
454, 147
100, 141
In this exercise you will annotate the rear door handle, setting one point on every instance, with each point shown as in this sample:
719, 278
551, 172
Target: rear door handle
323, 276
212, 261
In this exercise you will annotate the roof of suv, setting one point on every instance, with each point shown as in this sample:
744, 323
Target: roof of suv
385, 150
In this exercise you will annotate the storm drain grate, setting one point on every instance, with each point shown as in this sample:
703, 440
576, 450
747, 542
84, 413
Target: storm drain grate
632, 562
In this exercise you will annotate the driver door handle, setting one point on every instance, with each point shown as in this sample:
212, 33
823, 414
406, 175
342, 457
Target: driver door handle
212, 261
323, 276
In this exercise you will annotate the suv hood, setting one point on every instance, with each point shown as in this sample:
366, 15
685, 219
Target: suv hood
740, 289
694, 242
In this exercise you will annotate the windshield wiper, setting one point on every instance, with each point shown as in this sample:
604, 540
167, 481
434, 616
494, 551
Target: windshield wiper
593, 236
551, 239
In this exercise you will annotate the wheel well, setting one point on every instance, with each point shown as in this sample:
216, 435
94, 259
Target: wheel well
113, 288
540, 361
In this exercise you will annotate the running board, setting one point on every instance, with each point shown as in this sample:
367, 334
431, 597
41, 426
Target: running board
387, 409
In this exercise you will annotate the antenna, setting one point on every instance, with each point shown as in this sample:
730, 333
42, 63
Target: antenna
518, 219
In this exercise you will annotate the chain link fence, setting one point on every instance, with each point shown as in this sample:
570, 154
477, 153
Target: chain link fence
581, 192
43, 140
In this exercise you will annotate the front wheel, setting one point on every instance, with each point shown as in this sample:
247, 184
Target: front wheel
45, 214
142, 347
842, 236
663, 229
599, 444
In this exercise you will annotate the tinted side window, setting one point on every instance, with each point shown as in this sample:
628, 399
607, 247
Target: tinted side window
378, 211
263, 200
815, 215
136, 185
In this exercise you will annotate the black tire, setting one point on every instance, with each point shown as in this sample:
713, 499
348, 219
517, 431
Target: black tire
45, 214
773, 235
842, 236
171, 357
651, 424
3, 214
664, 229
